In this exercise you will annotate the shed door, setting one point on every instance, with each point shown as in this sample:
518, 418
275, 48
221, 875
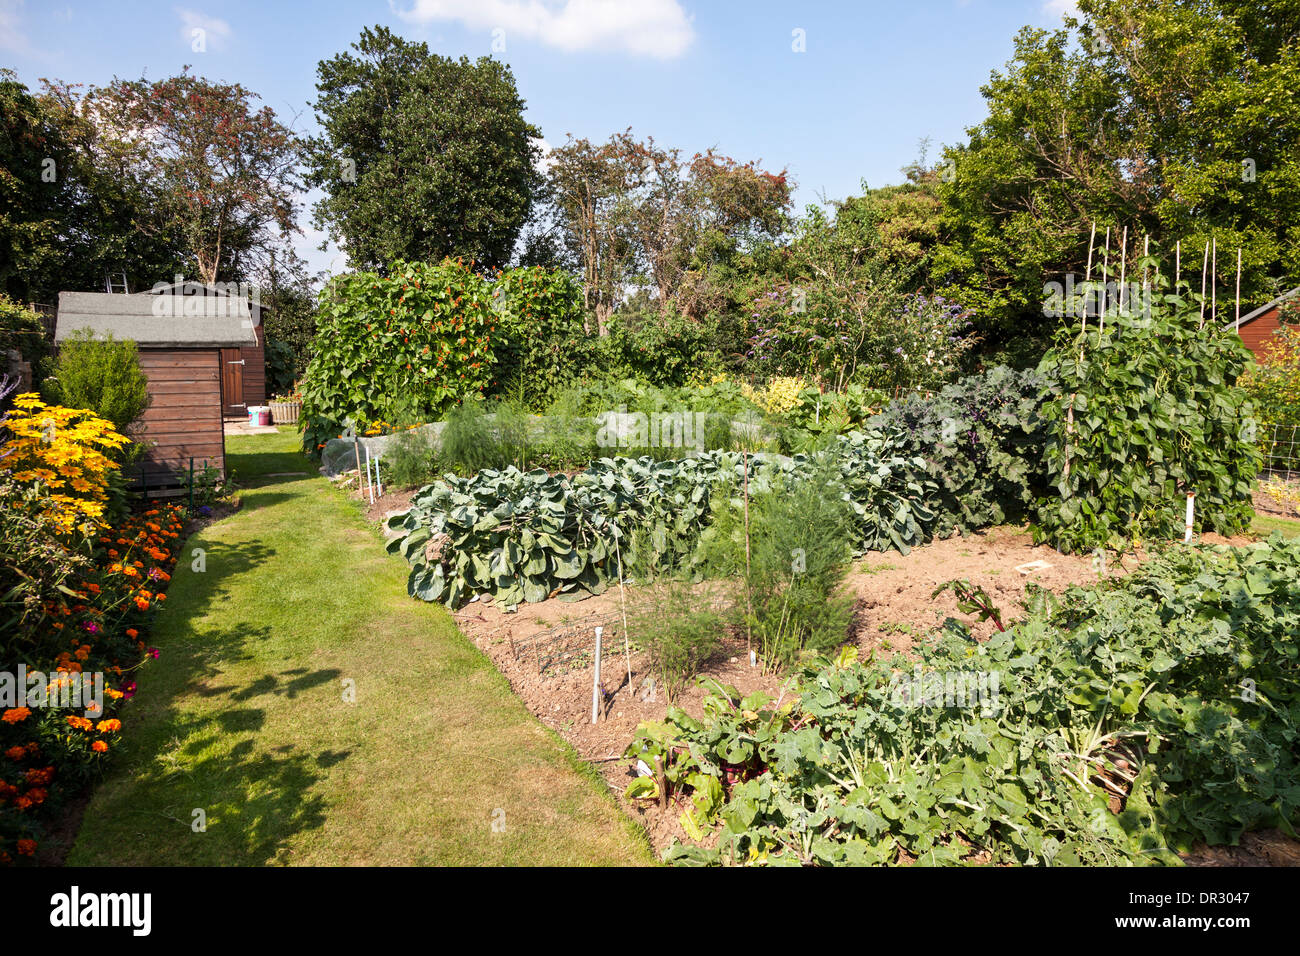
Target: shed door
232, 384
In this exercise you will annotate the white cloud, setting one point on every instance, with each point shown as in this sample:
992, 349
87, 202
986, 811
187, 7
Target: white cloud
544, 158
656, 28
1061, 9
12, 37
215, 30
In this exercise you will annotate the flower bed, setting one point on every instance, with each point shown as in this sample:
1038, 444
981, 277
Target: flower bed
97, 626
77, 591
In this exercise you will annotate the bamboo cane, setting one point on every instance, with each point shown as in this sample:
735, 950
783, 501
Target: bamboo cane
1237, 320
1092, 238
1123, 265
595, 681
1101, 321
749, 636
1205, 264
1214, 279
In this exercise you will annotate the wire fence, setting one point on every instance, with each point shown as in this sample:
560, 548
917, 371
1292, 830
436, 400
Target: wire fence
1280, 446
1278, 489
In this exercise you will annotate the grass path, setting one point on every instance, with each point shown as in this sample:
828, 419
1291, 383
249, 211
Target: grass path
1267, 524
243, 715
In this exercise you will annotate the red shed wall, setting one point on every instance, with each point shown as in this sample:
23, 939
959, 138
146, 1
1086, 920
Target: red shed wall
254, 371
184, 417
1258, 334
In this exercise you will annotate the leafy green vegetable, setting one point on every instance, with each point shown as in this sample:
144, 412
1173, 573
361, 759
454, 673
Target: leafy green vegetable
525, 536
1172, 692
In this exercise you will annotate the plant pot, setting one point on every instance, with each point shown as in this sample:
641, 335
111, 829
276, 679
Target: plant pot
285, 413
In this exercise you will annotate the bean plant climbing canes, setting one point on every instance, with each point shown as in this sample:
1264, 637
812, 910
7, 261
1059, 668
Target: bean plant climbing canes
408, 344
1157, 413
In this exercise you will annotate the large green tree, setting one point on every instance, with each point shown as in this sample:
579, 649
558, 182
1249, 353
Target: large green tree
638, 216
222, 172
421, 156
34, 190
1175, 118
71, 205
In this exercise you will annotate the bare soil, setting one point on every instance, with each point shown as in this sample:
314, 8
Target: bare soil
1279, 507
545, 651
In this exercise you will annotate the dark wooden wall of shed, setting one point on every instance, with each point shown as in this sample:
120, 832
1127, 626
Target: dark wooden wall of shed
184, 417
1257, 334
254, 371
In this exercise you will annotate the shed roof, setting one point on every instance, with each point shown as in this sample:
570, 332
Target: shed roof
194, 287
1266, 307
158, 321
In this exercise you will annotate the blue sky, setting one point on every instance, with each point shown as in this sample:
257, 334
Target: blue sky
873, 79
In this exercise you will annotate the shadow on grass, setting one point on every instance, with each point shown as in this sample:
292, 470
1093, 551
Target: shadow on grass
257, 465
255, 800
199, 745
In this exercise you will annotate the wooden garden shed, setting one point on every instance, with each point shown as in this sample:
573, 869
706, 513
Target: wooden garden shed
243, 369
182, 356
1257, 327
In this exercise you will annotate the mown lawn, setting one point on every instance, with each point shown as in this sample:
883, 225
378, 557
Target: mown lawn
1266, 525
243, 716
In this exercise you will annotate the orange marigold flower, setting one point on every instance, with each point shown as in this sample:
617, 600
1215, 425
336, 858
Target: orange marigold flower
99, 747
132, 632
79, 723
16, 753
16, 715
109, 726
26, 847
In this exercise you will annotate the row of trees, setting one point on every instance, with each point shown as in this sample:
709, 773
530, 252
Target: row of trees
143, 178
1179, 119
1176, 118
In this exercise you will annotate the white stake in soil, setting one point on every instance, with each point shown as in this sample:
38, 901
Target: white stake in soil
1191, 513
595, 681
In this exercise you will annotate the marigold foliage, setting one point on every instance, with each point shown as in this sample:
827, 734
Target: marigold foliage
64, 450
